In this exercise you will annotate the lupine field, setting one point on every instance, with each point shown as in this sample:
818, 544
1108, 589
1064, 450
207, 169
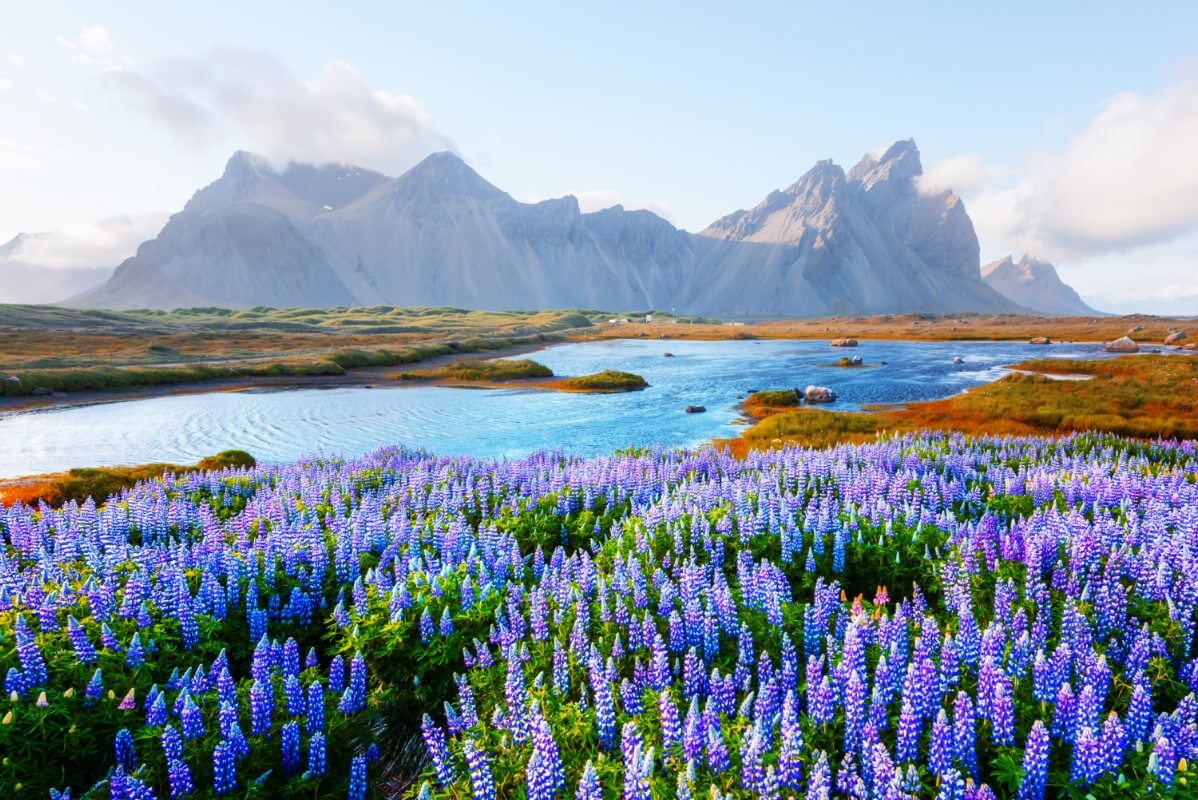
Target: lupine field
926, 616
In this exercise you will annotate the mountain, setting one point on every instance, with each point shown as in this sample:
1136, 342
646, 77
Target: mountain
863, 242
24, 278
834, 243
1036, 285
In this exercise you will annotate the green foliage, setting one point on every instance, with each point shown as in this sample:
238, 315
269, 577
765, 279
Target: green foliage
607, 381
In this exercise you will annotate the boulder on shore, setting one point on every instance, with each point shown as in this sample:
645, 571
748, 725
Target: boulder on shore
846, 342
1175, 337
1040, 340
1121, 345
819, 394
695, 409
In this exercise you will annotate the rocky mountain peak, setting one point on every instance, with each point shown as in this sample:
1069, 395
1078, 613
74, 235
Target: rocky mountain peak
1035, 284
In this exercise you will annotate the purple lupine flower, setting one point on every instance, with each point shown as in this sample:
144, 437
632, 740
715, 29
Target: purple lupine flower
964, 733
588, 784
670, 724
790, 758
1035, 763
940, 748
482, 785
33, 665
547, 776
84, 652
819, 782
1087, 757
717, 750
907, 739
438, 750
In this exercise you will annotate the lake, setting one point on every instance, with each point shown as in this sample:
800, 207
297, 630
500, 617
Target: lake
283, 425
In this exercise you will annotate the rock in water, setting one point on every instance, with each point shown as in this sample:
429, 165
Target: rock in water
1040, 340
1122, 345
843, 342
695, 409
958, 360
819, 394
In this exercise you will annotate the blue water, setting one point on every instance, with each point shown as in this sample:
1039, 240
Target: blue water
283, 425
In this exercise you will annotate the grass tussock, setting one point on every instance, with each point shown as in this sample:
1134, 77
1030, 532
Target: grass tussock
1139, 396
771, 401
607, 381
495, 371
98, 483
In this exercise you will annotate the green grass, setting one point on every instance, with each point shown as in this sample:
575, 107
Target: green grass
775, 398
606, 381
500, 369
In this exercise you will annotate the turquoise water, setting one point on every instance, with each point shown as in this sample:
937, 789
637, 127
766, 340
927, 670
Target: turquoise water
284, 425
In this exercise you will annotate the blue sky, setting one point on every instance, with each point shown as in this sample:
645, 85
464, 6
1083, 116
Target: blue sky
1063, 125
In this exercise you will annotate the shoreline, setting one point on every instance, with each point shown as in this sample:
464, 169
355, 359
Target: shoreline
378, 377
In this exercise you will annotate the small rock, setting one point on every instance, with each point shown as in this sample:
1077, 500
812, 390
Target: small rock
667, 355
752, 391
1190, 346
1040, 340
42, 391
843, 342
1135, 329
13, 379
1121, 345
695, 409
856, 361
819, 394
1175, 337
958, 360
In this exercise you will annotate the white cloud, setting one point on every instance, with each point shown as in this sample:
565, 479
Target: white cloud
105, 243
93, 46
248, 99
16, 60
5, 84
962, 174
16, 155
1128, 180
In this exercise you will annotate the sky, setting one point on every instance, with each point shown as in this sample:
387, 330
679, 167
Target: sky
1070, 129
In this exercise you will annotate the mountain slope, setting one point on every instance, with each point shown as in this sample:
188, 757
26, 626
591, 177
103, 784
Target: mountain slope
24, 278
865, 242
832, 243
1035, 284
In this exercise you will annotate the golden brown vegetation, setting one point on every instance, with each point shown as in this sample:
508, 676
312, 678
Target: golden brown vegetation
101, 482
1145, 396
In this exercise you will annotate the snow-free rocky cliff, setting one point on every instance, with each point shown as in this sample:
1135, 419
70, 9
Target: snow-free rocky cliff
1035, 284
863, 242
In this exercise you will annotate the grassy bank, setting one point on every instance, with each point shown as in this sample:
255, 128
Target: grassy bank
101, 482
607, 381
1141, 396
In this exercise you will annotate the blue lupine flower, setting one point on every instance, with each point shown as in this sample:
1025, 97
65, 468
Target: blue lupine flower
224, 768
1035, 763
357, 779
481, 783
289, 744
316, 754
